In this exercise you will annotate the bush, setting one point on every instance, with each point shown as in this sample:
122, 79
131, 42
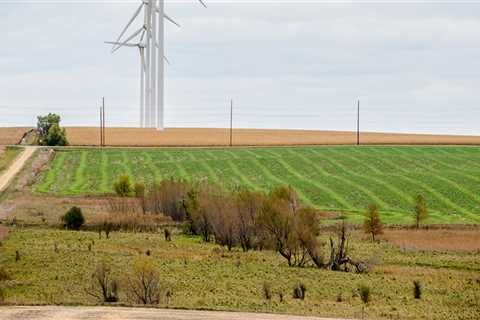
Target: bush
73, 219
299, 291
364, 292
417, 289
103, 287
170, 198
123, 186
144, 283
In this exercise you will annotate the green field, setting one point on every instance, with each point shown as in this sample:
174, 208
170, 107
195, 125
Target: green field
330, 178
204, 276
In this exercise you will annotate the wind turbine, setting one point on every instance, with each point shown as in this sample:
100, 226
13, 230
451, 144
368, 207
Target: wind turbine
152, 56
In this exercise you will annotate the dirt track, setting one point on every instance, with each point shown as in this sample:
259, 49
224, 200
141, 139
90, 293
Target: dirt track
7, 176
83, 136
80, 313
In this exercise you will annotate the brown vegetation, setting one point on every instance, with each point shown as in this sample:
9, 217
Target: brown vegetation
85, 136
441, 240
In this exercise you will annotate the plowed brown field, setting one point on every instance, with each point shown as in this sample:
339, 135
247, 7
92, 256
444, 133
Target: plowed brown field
83, 136
10, 136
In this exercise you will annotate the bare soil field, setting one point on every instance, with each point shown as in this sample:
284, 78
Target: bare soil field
436, 240
11, 136
84, 136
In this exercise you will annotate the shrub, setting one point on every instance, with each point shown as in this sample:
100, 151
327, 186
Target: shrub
73, 219
123, 186
144, 283
364, 292
103, 287
372, 223
267, 291
299, 291
139, 189
417, 289
170, 198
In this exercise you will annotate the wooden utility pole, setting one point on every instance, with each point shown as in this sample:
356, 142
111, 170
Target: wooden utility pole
231, 123
103, 124
358, 123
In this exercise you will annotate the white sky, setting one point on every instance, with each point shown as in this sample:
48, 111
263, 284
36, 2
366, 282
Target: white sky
415, 66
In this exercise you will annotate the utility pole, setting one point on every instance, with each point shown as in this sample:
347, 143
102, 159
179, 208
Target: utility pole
103, 124
358, 122
231, 123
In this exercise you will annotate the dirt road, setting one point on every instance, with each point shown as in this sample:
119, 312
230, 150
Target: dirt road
83, 313
7, 176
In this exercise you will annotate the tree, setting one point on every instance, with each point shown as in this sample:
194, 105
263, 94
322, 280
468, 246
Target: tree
372, 223
123, 186
420, 210
103, 287
56, 136
73, 219
49, 131
139, 190
144, 283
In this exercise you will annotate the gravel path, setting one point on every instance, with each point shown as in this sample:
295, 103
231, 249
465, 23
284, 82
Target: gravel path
117, 313
7, 176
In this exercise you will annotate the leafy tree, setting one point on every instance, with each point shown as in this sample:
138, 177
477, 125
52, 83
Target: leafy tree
73, 219
123, 186
420, 210
372, 223
56, 136
49, 131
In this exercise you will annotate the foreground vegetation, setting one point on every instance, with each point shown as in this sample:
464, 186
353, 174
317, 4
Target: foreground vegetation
55, 267
336, 179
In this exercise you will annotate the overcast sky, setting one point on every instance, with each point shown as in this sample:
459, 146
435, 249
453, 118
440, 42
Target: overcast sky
287, 64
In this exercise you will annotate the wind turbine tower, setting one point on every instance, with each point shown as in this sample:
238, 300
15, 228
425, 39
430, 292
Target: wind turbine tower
151, 45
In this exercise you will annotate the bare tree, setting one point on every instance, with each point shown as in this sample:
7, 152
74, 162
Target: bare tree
144, 283
103, 287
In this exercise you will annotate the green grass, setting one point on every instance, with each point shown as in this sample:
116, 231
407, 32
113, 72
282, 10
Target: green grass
203, 276
329, 178
7, 156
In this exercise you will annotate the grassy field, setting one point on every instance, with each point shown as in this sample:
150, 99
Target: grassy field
7, 155
330, 178
450, 280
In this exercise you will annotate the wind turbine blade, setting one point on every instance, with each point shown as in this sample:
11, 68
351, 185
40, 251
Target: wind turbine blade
166, 60
171, 20
142, 36
203, 3
128, 39
122, 44
135, 15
